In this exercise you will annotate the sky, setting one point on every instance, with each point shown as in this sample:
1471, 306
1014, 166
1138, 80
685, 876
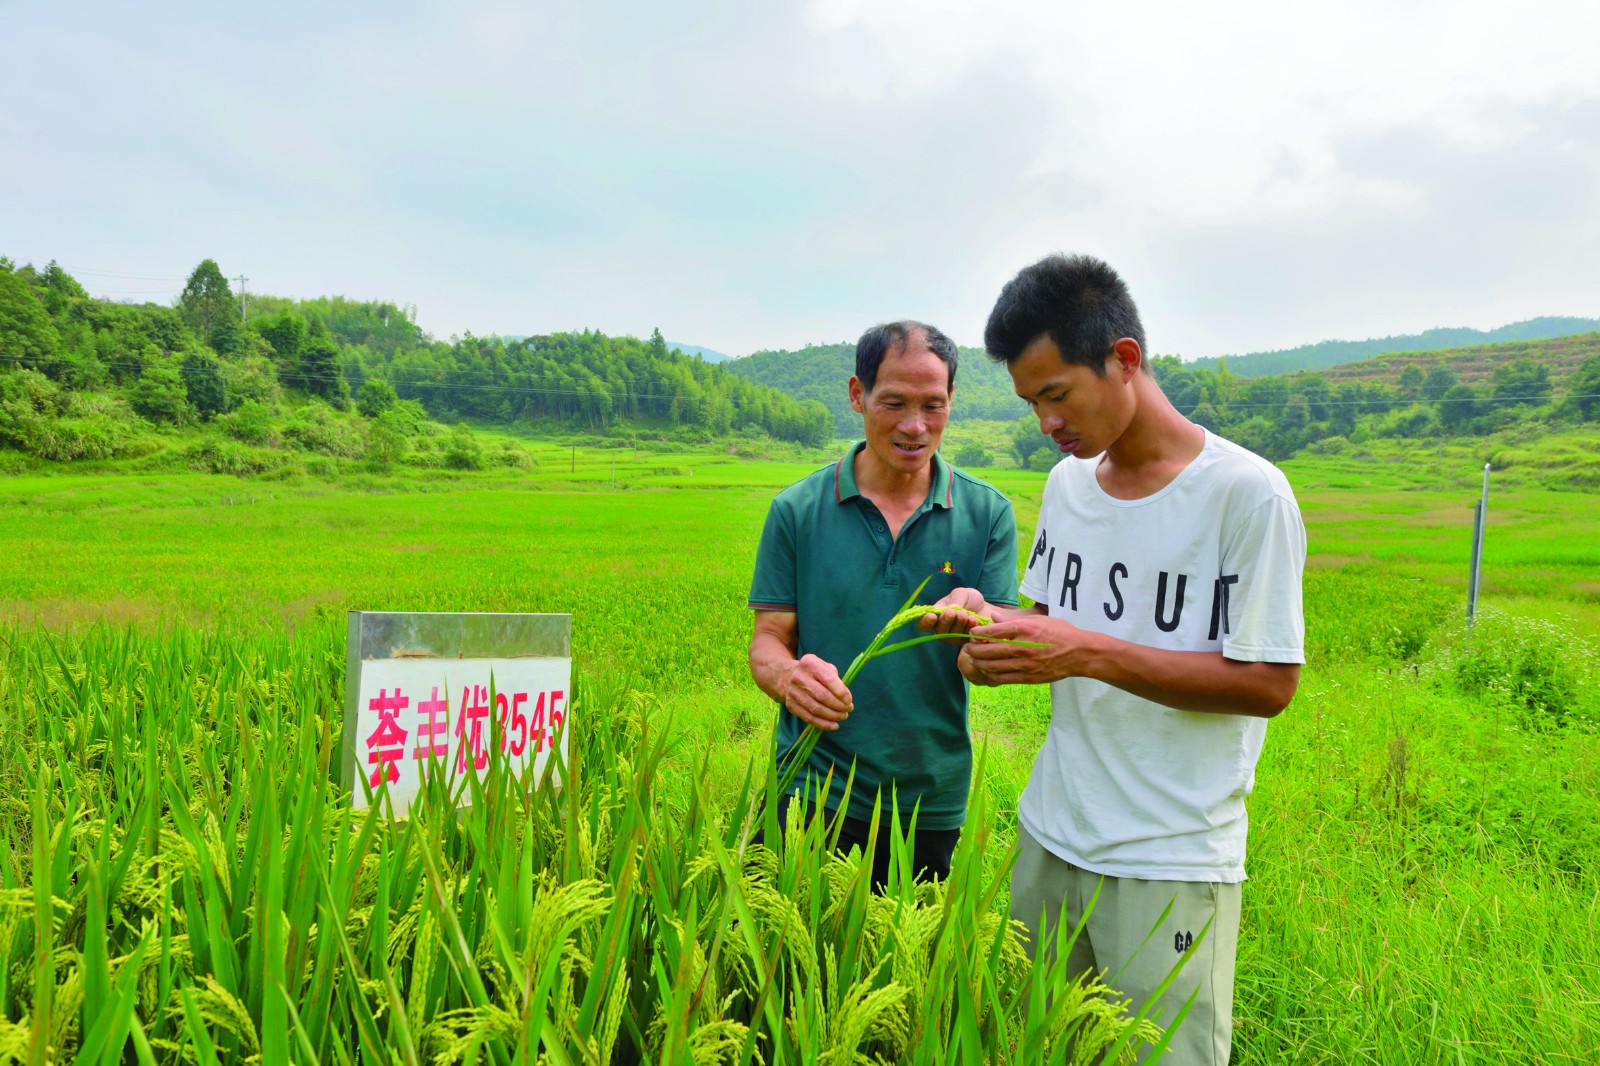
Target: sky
768, 175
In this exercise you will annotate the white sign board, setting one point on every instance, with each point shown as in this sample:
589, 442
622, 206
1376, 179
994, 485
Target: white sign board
437, 696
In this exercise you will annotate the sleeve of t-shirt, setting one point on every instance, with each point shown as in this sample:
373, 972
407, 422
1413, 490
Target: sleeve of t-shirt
1034, 575
1267, 555
998, 582
772, 588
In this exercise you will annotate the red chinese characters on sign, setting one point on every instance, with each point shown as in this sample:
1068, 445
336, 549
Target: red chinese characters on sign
433, 735
425, 720
469, 728
386, 744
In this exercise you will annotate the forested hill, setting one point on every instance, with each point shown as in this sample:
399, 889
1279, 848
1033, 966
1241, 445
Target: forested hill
290, 384
1561, 356
584, 379
821, 372
1334, 353
1466, 392
81, 377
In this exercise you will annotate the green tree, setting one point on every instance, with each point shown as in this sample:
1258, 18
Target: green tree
1523, 382
1025, 439
204, 384
463, 451
719, 415
254, 377
59, 289
386, 443
29, 404
229, 338
321, 374
817, 425
375, 397
159, 395
1418, 420
252, 422
1441, 379
27, 336
206, 301
409, 417
286, 333
1043, 457
1412, 380
973, 454
1206, 415
1458, 406
1258, 433
1318, 395
1263, 396
1583, 389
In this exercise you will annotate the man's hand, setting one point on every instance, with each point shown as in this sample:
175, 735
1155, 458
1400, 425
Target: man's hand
1184, 680
813, 693
970, 601
985, 663
808, 686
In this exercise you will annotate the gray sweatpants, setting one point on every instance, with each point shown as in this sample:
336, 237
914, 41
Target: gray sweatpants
1118, 940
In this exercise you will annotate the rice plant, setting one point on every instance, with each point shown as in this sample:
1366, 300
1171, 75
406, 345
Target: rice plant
795, 757
181, 881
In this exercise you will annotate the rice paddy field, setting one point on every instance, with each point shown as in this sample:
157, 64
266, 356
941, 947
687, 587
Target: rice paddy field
182, 881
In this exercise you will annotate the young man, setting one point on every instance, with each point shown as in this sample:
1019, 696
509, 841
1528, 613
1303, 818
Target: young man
841, 552
1166, 580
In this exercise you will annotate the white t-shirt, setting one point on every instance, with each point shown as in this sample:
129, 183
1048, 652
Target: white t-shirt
1211, 562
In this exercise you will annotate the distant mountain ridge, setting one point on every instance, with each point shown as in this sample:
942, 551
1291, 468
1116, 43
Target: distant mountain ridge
1333, 353
708, 354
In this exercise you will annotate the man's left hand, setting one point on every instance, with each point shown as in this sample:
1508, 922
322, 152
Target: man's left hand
986, 663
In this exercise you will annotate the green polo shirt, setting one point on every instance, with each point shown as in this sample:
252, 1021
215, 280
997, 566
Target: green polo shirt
826, 555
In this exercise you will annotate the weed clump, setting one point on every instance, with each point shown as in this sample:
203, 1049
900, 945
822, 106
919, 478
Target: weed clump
1542, 669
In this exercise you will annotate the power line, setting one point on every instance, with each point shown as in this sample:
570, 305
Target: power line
122, 274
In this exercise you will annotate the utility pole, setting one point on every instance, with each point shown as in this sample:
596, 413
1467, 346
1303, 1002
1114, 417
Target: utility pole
241, 279
1479, 521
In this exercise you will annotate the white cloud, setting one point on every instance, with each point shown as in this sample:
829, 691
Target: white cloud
1200, 113
753, 176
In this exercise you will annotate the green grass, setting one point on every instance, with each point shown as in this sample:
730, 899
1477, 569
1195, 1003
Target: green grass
1425, 863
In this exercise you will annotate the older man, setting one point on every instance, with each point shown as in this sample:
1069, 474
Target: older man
842, 549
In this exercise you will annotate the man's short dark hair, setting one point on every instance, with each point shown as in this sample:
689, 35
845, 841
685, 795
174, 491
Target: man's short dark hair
1077, 300
879, 341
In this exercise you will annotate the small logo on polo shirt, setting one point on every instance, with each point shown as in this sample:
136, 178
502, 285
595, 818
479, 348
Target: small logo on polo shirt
947, 568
